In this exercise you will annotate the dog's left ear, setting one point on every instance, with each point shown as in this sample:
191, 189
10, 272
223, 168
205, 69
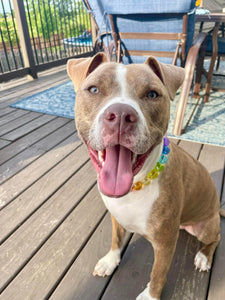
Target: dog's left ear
78, 69
171, 76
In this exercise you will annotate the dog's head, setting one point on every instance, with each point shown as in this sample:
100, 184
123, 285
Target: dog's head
122, 113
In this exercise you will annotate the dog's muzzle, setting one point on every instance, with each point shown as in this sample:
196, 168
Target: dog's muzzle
119, 125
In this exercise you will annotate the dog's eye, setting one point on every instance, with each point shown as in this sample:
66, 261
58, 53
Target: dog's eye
153, 95
93, 90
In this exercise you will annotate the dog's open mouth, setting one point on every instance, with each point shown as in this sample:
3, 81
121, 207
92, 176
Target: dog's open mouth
116, 167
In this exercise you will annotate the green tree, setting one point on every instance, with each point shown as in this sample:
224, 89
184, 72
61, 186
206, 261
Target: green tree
47, 17
7, 29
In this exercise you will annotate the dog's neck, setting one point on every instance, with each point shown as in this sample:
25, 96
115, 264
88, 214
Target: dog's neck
153, 165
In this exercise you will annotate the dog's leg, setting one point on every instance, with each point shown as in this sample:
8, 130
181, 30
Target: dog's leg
107, 264
208, 233
163, 255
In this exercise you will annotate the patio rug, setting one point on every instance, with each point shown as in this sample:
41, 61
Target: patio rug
58, 100
206, 126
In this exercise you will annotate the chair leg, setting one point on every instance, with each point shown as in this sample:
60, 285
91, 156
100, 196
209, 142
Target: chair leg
213, 59
218, 63
185, 89
199, 70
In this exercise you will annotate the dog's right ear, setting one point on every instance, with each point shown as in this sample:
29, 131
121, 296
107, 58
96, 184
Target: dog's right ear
78, 69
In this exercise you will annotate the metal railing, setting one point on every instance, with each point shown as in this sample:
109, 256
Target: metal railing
39, 34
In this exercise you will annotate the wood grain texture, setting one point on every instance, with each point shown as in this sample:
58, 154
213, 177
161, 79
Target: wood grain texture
216, 286
193, 149
133, 273
12, 116
3, 143
22, 207
27, 240
27, 88
79, 283
6, 110
32, 153
213, 158
30, 139
18, 122
29, 175
36, 122
57, 253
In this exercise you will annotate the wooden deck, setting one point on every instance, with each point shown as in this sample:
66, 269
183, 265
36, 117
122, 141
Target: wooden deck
54, 226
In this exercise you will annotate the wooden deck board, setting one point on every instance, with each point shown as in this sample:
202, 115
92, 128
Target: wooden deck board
24, 158
6, 110
213, 158
27, 176
31, 235
98, 245
14, 115
35, 123
216, 287
132, 274
3, 143
77, 289
18, 124
18, 210
54, 226
44, 82
53, 262
30, 139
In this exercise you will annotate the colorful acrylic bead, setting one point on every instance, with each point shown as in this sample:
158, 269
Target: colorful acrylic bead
159, 167
166, 150
163, 159
146, 181
137, 186
153, 174
166, 141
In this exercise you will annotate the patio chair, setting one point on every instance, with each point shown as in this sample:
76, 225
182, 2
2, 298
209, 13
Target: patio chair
221, 43
161, 28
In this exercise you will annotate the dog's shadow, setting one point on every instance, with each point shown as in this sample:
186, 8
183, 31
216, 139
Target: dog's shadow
183, 281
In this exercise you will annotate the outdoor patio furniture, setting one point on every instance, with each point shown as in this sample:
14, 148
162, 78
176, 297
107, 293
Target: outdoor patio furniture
215, 48
163, 29
221, 43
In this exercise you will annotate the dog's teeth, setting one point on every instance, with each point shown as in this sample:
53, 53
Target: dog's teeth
103, 163
134, 158
101, 157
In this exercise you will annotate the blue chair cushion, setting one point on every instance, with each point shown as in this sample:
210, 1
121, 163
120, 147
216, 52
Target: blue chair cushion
99, 15
149, 7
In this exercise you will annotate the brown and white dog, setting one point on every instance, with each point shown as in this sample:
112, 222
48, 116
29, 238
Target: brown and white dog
122, 114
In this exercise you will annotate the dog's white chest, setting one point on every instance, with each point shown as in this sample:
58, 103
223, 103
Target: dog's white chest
132, 210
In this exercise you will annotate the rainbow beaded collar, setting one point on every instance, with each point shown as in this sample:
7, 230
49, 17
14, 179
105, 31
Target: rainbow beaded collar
159, 167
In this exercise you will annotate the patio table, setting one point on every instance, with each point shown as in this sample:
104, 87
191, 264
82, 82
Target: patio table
216, 18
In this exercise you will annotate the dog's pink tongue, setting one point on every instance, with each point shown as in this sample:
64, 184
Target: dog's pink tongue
115, 178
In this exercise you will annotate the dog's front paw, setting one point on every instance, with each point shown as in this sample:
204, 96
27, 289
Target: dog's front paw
201, 262
145, 295
107, 264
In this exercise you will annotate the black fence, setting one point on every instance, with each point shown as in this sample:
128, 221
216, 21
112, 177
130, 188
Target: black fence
39, 34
